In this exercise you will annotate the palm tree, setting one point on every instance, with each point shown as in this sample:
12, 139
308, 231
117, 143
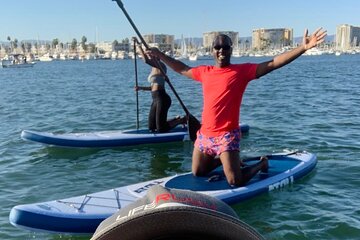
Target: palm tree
55, 42
9, 39
23, 47
92, 48
83, 43
115, 43
73, 45
28, 47
15, 43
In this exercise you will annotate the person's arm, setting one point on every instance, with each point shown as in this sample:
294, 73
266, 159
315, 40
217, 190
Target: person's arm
174, 64
142, 88
281, 60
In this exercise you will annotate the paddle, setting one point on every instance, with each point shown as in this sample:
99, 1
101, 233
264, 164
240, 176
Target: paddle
193, 123
136, 85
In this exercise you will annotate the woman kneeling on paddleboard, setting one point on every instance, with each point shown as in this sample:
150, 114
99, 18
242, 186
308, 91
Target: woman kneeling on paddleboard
161, 100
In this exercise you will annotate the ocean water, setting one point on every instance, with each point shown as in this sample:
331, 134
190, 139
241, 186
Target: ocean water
311, 104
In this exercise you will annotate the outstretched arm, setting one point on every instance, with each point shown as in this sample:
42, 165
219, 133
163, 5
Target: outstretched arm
174, 64
281, 60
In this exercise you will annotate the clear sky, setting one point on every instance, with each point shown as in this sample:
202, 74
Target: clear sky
68, 19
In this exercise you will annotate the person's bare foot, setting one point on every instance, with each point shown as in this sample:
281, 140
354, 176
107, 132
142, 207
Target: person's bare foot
177, 121
265, 164
181, 120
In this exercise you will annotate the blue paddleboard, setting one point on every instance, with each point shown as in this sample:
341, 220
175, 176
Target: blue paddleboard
82, 214
115, 138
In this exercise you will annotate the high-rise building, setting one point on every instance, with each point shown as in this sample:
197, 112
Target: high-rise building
273, 38
162, 41
209, 37
347, 37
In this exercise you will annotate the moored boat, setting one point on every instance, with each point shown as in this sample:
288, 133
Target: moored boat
16, 61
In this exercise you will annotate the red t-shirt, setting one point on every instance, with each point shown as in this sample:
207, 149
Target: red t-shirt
223, 89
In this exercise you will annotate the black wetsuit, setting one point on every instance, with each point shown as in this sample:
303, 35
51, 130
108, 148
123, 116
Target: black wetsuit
158, 111
160, 105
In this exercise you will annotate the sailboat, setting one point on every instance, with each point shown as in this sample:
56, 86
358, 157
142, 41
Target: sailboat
183, 50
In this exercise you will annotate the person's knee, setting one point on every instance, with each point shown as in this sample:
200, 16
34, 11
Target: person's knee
162, 127
198, 172
235, 181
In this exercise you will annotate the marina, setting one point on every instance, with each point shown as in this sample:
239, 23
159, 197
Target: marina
193, 55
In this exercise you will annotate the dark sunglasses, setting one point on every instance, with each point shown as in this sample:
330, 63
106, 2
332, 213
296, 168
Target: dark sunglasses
225, 47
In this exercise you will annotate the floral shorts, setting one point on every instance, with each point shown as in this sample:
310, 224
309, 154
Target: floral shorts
213, 146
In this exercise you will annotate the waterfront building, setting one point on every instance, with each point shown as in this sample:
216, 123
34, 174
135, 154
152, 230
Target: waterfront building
208, 38
104, 46
2, 52
347, 37
124, 46
162, 41
274, 38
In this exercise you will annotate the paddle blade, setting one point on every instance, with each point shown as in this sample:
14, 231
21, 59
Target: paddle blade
193, 126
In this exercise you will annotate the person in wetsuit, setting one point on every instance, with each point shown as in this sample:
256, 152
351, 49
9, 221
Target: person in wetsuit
161, 101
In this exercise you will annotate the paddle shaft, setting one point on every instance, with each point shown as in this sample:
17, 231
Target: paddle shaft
158, 65
136, 85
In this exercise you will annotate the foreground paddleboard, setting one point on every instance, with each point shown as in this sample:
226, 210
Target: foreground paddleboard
110, 138
83, 214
